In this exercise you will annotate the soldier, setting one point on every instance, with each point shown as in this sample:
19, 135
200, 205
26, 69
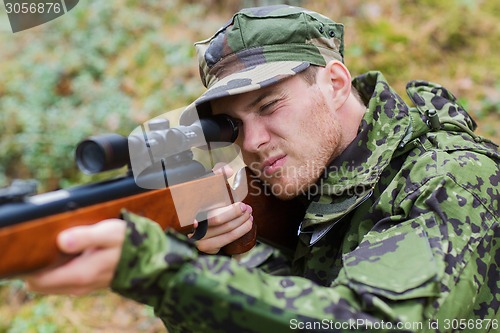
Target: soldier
402, 223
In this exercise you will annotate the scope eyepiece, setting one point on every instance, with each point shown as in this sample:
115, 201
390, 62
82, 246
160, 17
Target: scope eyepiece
219, 128
101, 153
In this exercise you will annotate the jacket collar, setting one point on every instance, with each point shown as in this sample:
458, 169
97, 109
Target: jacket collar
351, 177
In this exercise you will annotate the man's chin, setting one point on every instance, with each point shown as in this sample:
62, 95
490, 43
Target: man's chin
282, 190
287, 197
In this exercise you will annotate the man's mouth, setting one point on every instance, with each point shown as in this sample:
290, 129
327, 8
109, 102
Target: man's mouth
272, 164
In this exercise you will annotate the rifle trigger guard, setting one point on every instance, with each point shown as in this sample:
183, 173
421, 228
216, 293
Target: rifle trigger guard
202, 228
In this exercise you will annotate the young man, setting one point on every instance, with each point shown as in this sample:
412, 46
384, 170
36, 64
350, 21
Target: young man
402, 228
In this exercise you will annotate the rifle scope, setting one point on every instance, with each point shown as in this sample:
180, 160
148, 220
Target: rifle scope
111, 151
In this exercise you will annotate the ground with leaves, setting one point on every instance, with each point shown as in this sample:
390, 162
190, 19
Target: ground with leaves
110, 65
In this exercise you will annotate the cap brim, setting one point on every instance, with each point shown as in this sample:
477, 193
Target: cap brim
249, 79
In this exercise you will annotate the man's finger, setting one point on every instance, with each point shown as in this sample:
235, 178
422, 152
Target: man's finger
222, 215
224, 228
100, 235
90, 271
214, 244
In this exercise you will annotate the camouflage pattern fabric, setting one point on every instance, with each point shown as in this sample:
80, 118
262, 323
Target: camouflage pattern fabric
406, 229
252, 50
254, 36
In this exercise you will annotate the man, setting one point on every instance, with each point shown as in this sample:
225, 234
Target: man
402, 224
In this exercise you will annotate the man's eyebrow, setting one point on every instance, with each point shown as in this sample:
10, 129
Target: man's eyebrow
265, 94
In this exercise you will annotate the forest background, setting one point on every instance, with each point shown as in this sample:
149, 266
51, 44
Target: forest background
107, 66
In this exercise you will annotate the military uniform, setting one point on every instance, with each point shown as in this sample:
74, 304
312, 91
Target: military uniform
405, 230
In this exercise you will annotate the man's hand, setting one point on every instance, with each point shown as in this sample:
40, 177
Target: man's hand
98, 247
225, 225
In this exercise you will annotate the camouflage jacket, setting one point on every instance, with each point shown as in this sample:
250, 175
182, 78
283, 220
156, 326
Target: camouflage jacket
405, 231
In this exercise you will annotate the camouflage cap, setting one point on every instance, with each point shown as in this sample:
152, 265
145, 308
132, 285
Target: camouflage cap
263, 45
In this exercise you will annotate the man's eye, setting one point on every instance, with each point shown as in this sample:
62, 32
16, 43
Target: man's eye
268, 108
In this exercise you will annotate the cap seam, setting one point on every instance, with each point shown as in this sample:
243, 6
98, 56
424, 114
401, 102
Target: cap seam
257, 47
212, 73
304, 22
240, 32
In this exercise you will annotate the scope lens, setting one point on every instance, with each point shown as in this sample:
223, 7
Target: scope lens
90, 157
102, 152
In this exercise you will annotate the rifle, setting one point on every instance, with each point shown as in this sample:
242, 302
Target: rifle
29, 224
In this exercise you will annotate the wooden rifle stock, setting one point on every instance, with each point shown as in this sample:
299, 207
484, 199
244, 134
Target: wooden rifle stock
30, 245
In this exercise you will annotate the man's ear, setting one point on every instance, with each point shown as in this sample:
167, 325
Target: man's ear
337, 80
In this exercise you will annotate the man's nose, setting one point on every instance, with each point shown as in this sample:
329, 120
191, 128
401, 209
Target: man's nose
255, 136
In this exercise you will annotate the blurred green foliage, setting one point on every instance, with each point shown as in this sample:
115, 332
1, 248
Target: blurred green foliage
106, 67
38, 321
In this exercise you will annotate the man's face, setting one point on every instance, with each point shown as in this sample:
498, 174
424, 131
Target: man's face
288, 133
